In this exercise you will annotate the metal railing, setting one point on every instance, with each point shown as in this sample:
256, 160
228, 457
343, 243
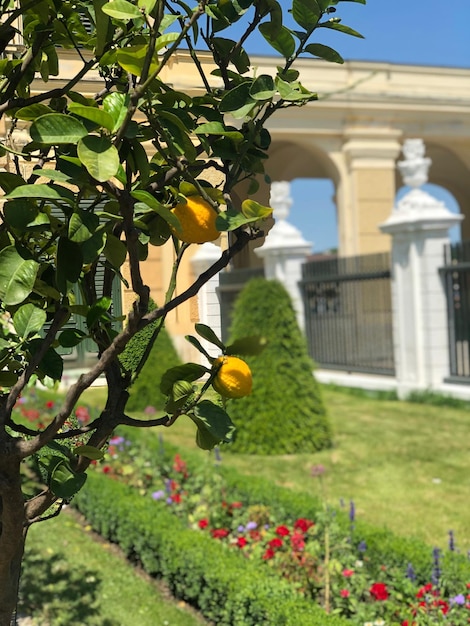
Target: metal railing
348, 313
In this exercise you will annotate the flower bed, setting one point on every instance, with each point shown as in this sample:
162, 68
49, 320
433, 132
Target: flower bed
324, 559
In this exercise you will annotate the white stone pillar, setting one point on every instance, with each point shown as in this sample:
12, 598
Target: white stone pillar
419, 226
285, 250
208, 301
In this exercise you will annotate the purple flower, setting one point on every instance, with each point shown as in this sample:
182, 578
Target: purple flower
352, 511
241, 528
436, 570
217, 455
317, 470
410, 573
459, 599
158, 495
451, 541
169, 500
362, 547
116, 441
251, 526
150, 410
168, 485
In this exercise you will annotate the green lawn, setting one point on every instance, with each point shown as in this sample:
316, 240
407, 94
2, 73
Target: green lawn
70, 579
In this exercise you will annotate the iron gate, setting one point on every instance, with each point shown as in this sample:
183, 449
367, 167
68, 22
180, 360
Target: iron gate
348, 313
456, 274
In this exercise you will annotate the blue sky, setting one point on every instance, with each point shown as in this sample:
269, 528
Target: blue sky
424, 32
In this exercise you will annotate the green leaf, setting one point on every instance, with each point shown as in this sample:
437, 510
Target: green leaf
99, 156
324, 52
115, 104
102, 23
69, 263
32, 112
189, 372
64, 482
197, 344
93, 247
52, 365
98, 311
236, 99
55, 193
71, 337
115, 251
263, 88
17, 276
56, 129
98, 116
280, 39
121, 10
28, 320
342, 28
255, 210
82, 226
132, 59
306, 13
247, 346
18, 214
213, 425
8, 181
146, 198
217, 128
89, 452
209, 335
8, 379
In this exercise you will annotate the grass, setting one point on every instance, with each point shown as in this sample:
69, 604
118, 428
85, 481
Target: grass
70, 579
405, 464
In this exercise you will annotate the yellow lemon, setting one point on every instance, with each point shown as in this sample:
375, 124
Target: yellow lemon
233, 378
197, 219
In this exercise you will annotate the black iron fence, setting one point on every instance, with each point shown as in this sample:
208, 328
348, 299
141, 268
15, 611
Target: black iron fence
348, 313
456, 274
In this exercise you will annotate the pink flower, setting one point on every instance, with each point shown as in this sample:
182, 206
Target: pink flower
347, 573
344, 593
297, 541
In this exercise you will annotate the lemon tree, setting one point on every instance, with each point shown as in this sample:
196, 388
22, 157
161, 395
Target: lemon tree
233, 378
103, 158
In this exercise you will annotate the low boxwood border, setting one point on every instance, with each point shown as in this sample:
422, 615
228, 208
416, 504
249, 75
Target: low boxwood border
227, 588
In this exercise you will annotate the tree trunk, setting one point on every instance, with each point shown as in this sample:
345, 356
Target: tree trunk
12, 529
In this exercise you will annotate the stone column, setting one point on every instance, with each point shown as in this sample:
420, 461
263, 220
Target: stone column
419, 226
368, 191
285, 250
208, 302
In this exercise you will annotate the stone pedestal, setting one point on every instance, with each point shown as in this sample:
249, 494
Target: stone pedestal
285, 250
419, 226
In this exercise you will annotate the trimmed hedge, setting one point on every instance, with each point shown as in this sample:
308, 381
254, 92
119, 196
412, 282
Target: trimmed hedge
383, 546
226, 587
285, 413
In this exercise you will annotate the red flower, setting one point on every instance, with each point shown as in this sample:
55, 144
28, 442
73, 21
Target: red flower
303, 524
282, 531
106, 469
203, 523
81, 413
269, 554
275, 543
49, 404
379, 591
176, 497
441, 604
297, 542
219, 533
347, 573
344, 593
255, 535
236, 505
424, 590
241, 542
180, 466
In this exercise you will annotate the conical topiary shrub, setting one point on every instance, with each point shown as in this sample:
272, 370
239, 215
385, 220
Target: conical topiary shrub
145, 391
285, 412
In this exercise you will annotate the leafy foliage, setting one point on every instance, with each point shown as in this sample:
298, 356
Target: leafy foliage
285, 413
110, 150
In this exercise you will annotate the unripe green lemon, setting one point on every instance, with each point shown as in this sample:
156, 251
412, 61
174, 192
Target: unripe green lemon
233, 378
197, 219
